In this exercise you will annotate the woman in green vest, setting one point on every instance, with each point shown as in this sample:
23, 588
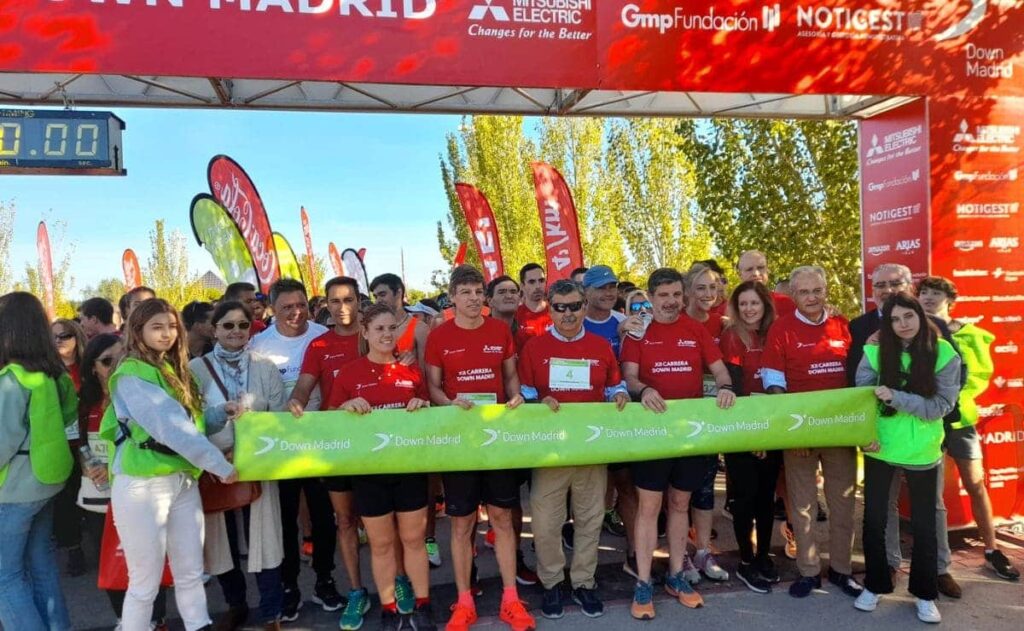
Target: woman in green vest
159, 448
916, 375
35, 461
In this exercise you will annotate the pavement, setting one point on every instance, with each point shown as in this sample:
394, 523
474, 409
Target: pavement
988, 604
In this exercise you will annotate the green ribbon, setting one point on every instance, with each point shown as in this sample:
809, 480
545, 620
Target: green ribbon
278, 446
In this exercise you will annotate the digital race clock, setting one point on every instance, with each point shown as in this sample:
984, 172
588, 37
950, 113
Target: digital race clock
54, 142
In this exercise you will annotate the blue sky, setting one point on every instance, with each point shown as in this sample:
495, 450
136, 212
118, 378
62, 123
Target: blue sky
367, 180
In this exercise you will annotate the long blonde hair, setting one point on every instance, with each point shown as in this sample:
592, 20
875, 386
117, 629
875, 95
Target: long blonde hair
179, 377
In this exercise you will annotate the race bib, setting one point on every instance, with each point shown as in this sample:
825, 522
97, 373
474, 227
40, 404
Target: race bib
710, 387
478, 398
569, 374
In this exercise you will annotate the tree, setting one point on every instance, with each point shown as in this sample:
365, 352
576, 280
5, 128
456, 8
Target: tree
110, 288
319, 269
167, 272
7, 213
63, 281
788, 188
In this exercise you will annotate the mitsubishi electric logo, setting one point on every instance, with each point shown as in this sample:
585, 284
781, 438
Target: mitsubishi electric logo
904, 142
480, 11
986, 139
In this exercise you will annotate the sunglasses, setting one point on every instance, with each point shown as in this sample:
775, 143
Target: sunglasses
637, 306
63, 337
106, 361
230, 326
562, 307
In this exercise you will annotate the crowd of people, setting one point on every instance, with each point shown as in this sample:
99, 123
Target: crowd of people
144, 414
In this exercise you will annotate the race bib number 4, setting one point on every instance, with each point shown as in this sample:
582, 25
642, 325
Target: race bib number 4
478, 398
569, 374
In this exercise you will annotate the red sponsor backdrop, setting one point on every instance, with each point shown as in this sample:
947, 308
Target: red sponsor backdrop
829, 46
45, 268
132, 270
336, 264
314, 282
894, 191
235, 191
480, 219
558, 222
976, 166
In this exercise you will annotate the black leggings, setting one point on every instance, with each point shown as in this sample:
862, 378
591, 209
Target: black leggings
321, 514
752, 486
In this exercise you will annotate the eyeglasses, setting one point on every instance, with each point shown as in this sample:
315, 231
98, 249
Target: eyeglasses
637, 306
562, 307
230, 326
63, 337
106, 361
894, 284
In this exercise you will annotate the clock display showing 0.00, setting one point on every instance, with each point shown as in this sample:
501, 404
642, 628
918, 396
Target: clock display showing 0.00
58, 140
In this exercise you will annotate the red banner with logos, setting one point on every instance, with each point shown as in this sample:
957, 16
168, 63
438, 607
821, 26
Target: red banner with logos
310, 262
335, 256
132, 270
977, 166
829, 46
235, 191
46, 269
894, 166
484, 228
559, 226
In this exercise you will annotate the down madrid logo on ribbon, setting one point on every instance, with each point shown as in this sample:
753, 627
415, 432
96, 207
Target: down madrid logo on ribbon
272, 446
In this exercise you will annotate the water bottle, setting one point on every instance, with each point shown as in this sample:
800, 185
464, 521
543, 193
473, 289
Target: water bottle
646, 319
92, 461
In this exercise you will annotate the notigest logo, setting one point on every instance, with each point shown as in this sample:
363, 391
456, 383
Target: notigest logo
986, 139
860, 24
970, 273
986, 176
632, 17
894, 215
988, 211
1004, 245
531, 19
910, 178
968, 246
878, 250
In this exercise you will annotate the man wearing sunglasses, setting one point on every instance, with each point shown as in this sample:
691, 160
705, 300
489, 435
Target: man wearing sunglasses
568, 364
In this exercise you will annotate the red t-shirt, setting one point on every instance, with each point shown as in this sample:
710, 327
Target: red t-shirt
470, 359
76, 375
720, 309
324, 359
673, 357
714, 324
538, 364
735, 352
784, 305
382, 385
530, 324
813, 357
257, 326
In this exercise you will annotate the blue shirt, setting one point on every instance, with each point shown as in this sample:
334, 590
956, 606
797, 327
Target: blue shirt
607, 328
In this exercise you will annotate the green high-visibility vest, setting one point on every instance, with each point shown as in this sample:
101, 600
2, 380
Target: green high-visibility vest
904, 438
135, 460
48, 452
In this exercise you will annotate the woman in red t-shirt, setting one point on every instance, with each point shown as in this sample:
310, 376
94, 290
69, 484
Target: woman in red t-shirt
393, 506
751, 476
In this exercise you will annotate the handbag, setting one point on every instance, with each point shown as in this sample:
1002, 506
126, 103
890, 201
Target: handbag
113, 572
219, 497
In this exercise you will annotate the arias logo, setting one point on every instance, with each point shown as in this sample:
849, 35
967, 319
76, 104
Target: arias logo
1004, 245
908, 245
968, 246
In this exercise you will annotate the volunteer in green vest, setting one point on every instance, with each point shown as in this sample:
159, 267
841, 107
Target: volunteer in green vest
157, 429
963, 443
37, 401
917, 379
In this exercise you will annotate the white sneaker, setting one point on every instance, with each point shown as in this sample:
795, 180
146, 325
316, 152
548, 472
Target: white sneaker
118, 627
690, 573
867, 601
708, 564
928, 612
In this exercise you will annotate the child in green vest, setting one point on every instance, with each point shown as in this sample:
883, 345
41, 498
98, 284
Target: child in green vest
159, 449
36, 404
916, 375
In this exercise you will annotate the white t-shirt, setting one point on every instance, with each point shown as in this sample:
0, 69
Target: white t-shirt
287, 354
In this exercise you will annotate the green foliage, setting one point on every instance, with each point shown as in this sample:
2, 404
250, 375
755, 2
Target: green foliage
110, 288
319, 269
788, 188
167, 271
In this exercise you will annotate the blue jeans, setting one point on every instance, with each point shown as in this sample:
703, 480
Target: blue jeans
232, 582
30, 595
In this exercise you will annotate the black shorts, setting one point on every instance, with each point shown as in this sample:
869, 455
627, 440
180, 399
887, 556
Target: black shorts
704, 497
338, 483
619, 466
687, 473
465, 490
378, 495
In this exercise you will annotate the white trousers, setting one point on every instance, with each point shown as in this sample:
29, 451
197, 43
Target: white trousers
158, 517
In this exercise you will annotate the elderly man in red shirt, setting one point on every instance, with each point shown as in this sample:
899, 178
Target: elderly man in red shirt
569, 365
806, 351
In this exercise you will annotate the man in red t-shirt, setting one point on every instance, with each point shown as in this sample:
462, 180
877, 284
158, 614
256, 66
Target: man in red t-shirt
471, 360
806, 351
569, 365
322, 363
532, 317
753, 265
669, 363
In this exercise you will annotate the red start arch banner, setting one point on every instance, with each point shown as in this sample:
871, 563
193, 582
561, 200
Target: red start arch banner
829, 46
942, 178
